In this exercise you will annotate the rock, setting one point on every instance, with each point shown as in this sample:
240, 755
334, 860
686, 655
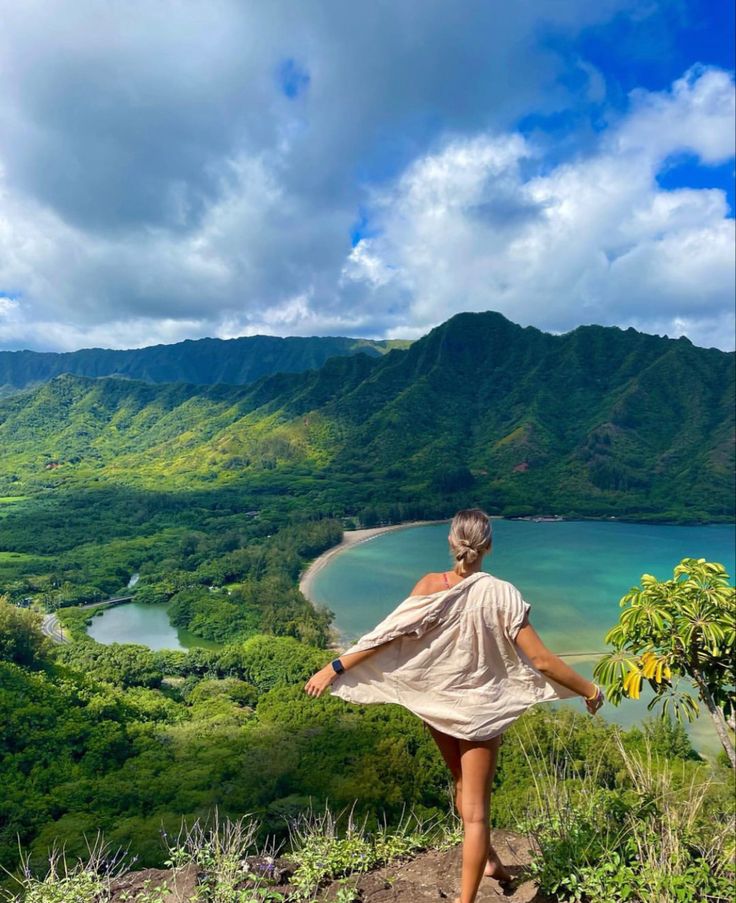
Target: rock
181, 885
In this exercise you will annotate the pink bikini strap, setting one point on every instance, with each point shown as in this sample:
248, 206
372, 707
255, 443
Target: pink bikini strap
444, 577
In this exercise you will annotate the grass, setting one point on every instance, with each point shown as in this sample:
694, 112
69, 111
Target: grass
83, 881
17, 557
668, 837
324, 848
13, 564
234, 868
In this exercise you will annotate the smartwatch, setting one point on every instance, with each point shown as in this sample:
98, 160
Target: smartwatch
338, 666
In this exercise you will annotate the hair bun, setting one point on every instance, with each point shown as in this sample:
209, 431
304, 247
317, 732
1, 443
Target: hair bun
467, 554
470, 536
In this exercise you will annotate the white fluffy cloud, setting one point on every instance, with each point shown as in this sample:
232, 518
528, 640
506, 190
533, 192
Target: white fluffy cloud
696, 116
595, 240
176, 170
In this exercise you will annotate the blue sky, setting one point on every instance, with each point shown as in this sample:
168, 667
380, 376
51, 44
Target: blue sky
652, 53
171, 171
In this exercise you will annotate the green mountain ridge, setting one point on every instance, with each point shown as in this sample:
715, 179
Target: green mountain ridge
597, 421
201, 361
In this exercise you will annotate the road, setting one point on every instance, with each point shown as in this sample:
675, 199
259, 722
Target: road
52, 629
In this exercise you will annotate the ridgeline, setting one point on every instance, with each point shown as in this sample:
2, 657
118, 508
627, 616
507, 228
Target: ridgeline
201, 361
597, 422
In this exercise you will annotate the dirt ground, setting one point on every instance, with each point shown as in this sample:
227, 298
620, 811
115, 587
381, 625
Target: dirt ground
433, 875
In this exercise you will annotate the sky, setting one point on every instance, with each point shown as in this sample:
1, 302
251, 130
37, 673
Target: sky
183, 168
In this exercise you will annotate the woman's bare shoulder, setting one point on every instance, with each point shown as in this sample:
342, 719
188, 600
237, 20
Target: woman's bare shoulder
429, 583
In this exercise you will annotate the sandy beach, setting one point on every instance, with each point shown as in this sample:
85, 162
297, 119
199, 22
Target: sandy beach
352, 538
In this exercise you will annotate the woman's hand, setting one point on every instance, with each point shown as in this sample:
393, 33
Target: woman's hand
320, 681
596, 702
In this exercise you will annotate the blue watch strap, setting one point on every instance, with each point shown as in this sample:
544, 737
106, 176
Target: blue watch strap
338, 666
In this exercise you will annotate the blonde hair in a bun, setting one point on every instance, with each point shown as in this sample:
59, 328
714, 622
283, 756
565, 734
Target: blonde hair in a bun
470, 537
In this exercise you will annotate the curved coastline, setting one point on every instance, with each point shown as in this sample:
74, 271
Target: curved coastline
354, 537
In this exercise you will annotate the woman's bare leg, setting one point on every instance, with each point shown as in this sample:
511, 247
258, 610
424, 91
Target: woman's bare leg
477, 762
449, 747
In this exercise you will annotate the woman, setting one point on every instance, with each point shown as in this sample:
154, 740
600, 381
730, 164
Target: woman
461, 654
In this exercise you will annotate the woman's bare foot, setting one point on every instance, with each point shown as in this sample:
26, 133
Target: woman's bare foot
494, 869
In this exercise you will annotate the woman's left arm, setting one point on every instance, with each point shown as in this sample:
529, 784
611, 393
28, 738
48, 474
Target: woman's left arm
322, 679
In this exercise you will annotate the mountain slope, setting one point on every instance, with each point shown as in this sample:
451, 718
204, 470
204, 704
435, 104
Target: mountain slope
598, 421
203, 362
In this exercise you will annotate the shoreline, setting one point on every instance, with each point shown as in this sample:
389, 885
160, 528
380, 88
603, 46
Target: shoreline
356, 537
350, 538
702, 737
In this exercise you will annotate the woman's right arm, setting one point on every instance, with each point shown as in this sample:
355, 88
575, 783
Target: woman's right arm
528, 640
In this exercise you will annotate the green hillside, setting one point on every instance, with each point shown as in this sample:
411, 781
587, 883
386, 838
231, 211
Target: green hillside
202, 361
599, 421
131, 743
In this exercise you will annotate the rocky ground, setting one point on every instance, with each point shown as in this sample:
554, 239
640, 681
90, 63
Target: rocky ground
433, 875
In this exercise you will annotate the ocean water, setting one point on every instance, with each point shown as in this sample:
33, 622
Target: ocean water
573, 573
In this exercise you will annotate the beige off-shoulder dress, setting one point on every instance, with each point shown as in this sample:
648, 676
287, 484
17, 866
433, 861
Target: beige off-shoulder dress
453, 661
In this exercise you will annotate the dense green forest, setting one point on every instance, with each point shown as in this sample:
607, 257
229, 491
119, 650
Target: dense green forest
597, 421
203, 361
129, 741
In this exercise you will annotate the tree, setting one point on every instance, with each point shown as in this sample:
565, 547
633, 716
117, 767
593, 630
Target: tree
679, 628
21, 640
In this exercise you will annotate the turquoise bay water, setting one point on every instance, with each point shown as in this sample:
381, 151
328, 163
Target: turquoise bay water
147, 625
573, 574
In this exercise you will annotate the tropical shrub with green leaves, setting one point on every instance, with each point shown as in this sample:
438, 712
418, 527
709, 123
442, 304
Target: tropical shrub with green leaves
677, 634
21, 640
